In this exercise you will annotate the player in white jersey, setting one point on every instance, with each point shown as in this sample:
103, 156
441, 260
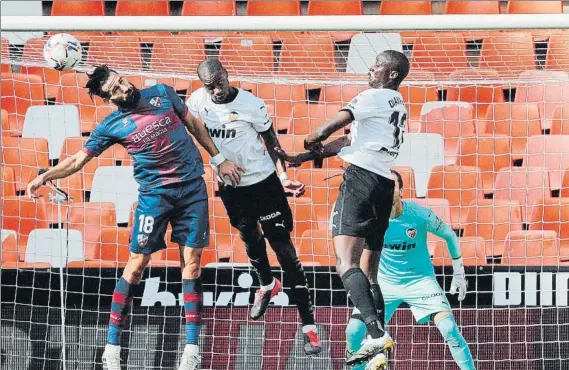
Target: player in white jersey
361, 212
406, 275
236, 121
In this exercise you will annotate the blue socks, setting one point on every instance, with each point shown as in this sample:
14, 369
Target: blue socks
456, 343
355, 334
193, 304
122, 299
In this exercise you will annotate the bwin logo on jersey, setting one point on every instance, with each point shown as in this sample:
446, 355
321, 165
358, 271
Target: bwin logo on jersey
412, 233
222, 133
400, 247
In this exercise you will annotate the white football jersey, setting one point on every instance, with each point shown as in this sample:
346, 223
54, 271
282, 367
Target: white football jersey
377, 131
234, 128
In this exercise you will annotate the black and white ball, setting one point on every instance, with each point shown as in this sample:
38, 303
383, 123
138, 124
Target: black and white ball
62, 52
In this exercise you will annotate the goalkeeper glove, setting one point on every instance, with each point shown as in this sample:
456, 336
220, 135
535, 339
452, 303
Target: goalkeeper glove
459, 282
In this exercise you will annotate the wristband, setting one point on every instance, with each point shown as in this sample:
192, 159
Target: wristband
458, 264
283, 176
218, 159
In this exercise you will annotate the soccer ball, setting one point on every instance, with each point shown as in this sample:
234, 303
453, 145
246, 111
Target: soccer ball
62, 52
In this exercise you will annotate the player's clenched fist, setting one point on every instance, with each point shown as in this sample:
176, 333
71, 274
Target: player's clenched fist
230, 171
33, 187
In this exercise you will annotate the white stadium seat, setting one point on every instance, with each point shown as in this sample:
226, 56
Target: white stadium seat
54, 123
115, 184
364, 48
421, 152
55, 247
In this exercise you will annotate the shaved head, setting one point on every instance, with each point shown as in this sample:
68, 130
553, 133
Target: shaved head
210, 70
215, 81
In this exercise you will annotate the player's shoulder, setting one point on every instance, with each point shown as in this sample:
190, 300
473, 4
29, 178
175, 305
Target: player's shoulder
110, 119
157, 90
379, 97
197, 95
416, 210
249, 99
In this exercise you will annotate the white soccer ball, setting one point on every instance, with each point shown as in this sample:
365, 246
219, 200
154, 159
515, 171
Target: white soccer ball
62, 52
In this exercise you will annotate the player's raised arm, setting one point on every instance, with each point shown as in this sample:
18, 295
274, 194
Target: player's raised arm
324, 151
441, 229
340, 120
65, 168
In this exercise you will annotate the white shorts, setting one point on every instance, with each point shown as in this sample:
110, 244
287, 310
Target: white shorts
424, 297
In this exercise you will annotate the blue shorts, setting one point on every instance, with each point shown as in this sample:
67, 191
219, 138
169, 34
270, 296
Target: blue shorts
182, 205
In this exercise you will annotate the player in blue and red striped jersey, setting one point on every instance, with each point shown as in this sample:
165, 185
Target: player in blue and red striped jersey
151, 124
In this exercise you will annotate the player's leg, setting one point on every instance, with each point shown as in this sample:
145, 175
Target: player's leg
147, 236
369, 263
356, 330
190, 230
275, 215
457, 344
428, 301
239, 205
361, 215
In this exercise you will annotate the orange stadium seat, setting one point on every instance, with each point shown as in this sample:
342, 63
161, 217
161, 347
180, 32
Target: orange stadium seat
5, 52
535, 7
440, 52
306, 117
452, 122
307, 55
115, 244
565, 184
158, 8
516, 120
9, 247
549, 92
207, 7
531, 248
23, 215
273, 8
340, 94
33, 50
472, 7
558, 52
24, 155
552, 214
5, 124
560, 120
523, 184
414, 98
334, 8
472, 249
408, 177
72, 91
72, 145
322, 187
89, 218
551, 152
8, 176
246, 53
304, 215
493, 219
316, 247
283, 97
509, 53
480, 95
392, 7
460, 186
179, 54
219, 221
116, 51
19, 92
74, 8
490, 153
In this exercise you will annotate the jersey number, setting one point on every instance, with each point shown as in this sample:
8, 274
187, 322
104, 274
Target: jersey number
398, 124
145, 224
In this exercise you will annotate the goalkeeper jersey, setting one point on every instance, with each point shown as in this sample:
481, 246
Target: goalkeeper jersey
405, 255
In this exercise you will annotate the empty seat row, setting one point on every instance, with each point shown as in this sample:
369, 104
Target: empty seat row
193, 8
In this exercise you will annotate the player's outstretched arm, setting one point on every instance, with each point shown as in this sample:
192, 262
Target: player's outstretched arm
323, 132
324, 151
65, 168
274, 149
226, 168
443, 230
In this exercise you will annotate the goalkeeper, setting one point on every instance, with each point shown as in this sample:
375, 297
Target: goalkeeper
406, 275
